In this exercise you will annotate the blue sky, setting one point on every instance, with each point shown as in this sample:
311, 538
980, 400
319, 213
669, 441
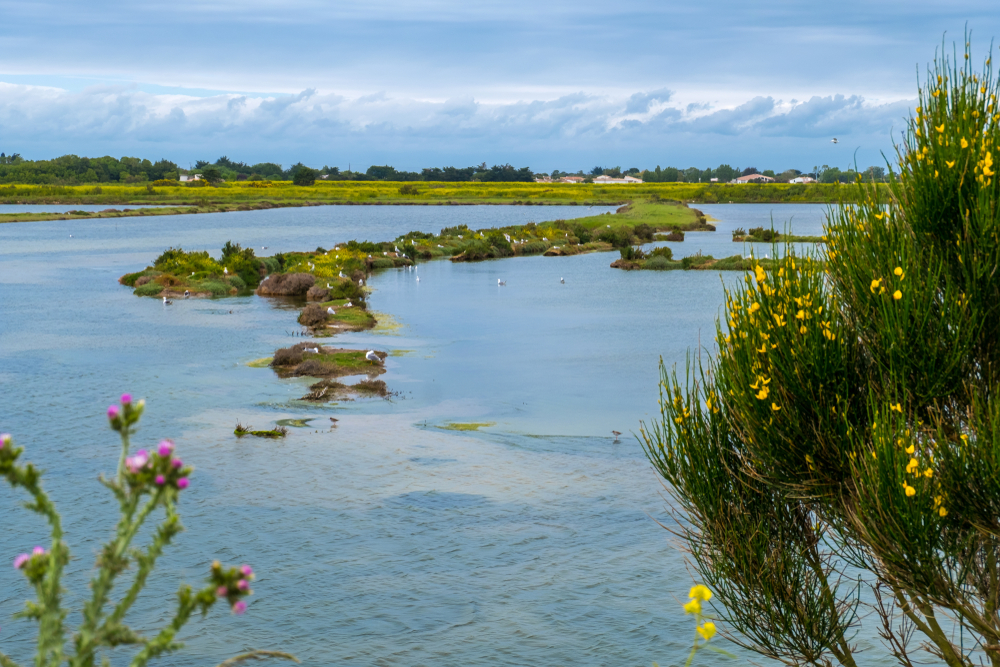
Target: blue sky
555, 84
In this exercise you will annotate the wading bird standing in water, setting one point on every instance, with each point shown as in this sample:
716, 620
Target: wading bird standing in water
616, 434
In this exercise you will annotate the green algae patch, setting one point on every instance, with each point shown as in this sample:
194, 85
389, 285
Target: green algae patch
295, 423
387, 325
401, 353
263, 362
465, 426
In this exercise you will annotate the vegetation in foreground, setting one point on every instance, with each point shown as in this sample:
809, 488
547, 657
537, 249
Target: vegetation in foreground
146, 483
851, 417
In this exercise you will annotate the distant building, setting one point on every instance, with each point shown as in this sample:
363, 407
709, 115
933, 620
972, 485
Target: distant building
543, 179
803, 179
608, 180
752, 178
185, 177
571, 179
713, 180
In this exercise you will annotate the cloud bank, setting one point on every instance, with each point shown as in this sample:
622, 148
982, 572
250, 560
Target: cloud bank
571, 131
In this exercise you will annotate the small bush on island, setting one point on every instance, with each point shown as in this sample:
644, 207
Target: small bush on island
846, 434
662, 251
146, 483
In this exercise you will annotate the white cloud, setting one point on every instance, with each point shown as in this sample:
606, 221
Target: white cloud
318, 127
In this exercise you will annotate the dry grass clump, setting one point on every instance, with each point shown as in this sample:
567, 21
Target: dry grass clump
287, 284
314, 315
287, 356
318, 293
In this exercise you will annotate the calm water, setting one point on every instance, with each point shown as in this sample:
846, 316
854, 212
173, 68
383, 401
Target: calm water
387, 540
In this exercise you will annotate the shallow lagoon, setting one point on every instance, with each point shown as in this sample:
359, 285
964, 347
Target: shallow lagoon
388, 540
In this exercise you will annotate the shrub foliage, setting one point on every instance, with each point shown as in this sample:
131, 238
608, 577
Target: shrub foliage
851, 417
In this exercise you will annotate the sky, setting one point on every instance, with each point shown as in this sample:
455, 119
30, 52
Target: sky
556, 84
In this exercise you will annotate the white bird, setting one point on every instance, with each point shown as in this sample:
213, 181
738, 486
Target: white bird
544, 238
349, 304
71, 236
507, 236
361, 282
331, 311
418, 279
328, 286
562, 280
342, 274
192, 273
834, 141
314, 350
372, 357
501, 283
166, 302
224, 270
187, 294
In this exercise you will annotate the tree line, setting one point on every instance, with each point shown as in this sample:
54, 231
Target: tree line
71, 169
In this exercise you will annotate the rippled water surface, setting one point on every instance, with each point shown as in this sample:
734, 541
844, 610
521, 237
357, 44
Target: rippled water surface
386, 540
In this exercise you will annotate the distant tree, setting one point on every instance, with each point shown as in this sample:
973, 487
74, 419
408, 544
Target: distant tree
768, 172
749, 170
875, 174
199, 164
725, 173
303, 175
632, 171
597, 171
381, 173
670, 175
211, 174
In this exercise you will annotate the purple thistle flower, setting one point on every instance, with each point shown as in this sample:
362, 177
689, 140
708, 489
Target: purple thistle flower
182, 483
113, 412
246, 570
160, 480
239, 607
177, 463
20, 561
243, 585
38, 551
126, 399
222, 591
165, 448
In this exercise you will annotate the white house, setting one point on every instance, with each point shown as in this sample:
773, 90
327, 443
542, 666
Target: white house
607, 180
571, 179
803, 179
184, 178
752, 178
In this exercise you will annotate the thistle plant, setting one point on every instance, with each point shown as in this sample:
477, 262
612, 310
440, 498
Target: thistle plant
146, 483
847, 434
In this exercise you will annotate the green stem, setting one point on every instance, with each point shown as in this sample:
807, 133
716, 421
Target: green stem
88, 638
7, 662
120, 477
164, 641
146, 564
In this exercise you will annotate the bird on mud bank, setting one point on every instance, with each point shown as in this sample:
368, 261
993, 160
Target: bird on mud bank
616, 434
372, 357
